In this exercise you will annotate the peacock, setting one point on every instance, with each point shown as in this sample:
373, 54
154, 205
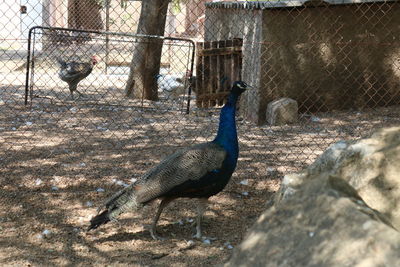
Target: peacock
198, 171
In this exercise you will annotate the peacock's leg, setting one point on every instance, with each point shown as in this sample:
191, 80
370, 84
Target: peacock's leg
80, 94
153, 231
201, 207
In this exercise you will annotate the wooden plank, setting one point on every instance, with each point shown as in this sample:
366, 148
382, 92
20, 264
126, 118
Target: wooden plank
214, 95
199, 76
117, 63
218, 65
213, 73
220, 51
218, 98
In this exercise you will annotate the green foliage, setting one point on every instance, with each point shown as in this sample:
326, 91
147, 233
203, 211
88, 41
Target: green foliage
124, 4
101, 3
177, 5
104, 3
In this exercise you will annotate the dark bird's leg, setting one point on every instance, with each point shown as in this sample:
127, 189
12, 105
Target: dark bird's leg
201, 207
72, 88
80, 94
153, 231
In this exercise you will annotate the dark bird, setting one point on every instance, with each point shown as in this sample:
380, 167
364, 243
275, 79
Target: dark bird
72, 72
199, 171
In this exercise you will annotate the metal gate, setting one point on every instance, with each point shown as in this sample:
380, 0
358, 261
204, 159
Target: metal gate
47, 47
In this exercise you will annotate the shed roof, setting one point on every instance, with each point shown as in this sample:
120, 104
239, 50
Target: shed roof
287, 3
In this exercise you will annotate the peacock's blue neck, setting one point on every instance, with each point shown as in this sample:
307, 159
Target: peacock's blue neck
227, 135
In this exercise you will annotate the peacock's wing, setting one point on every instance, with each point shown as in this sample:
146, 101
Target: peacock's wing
191, 163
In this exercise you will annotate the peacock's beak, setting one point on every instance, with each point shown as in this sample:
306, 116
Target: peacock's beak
248, 87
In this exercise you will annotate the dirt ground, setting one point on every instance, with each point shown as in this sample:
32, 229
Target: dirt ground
59, 159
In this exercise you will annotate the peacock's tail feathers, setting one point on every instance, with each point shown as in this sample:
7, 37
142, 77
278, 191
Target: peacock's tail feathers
120, 202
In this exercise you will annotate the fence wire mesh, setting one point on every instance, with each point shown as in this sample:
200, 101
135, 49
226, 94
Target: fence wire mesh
340, 60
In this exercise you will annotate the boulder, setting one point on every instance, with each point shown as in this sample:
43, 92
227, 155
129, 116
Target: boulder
282, 111
341, 211
370, 165
325, 223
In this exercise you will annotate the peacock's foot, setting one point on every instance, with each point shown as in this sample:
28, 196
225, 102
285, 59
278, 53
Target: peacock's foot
155, 236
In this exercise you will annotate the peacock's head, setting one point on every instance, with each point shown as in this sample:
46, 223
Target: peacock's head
239, 87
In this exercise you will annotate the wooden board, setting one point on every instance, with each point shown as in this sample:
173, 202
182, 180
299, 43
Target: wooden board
219, 64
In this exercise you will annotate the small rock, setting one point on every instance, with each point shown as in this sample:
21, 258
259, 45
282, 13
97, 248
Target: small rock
228, 245
100, 190
28, 123
282, 111
315, 119
207, 241
46, 233
121, 183
89, 203
38, 182
73, 110
271, 172
244, 182
245, 193
54, 188
82, 164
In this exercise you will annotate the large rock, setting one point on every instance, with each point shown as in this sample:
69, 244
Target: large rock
282, 111
370, 165
319, 217
324, 223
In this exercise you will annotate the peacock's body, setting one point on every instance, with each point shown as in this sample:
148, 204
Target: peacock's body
198, 171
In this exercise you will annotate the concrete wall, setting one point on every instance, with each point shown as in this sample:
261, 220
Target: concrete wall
10, 22
328, 58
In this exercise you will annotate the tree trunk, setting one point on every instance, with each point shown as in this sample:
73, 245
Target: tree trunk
146, 58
